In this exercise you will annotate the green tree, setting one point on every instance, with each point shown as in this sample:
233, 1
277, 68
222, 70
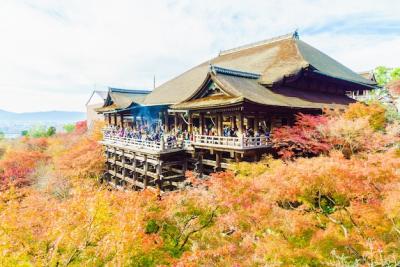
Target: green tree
69, 128
385, 75
51, 131
24, 133
395, 74
38, 131
2, 135
382, 75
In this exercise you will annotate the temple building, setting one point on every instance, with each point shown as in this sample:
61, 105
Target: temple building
219, 112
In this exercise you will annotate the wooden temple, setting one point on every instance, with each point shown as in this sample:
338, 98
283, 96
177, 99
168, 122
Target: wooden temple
219, 112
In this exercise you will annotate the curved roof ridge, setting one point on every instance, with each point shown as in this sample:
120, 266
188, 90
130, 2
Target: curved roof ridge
259, 43
228, 71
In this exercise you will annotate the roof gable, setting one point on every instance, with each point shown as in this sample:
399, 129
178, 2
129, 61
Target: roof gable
238, 88
118, 98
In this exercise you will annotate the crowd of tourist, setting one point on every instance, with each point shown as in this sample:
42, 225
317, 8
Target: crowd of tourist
155, 132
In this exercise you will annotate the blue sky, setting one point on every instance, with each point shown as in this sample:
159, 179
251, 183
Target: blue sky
53, 53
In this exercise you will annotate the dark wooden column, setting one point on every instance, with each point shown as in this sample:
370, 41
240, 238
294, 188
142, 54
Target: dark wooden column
109, 118
255, 126
134, 121
115, 119
190, 123
201, 122
176, 118
220, 124
240, 123
122, 119
233, 121
166, 121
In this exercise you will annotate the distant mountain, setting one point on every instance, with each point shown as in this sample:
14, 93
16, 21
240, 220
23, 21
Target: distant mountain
57, 116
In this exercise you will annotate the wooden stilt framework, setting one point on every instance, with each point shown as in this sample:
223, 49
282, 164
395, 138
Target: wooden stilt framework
127, 168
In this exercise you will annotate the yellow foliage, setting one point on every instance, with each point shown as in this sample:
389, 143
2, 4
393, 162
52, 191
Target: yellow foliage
374, 112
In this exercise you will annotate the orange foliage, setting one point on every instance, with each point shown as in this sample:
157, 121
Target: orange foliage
82, 159
337, 209
16, 166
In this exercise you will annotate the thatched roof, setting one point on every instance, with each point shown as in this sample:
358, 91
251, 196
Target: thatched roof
118, 99
238, 87
273, 59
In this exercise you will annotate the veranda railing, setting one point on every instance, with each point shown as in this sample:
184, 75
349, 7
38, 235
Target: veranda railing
231, 142
161, 145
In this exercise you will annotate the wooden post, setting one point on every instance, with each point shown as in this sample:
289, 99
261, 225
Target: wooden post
218, 161
134, 122
190, 123
240, 124
146, 166
220, 124
115, 119
233, 121
250, 123
158, 172
184, 166
176, 122
237, 157
134, 173
166, 121
123, 165
122, 120
109, 118
162, 143
255, 127
115, 166
201, 124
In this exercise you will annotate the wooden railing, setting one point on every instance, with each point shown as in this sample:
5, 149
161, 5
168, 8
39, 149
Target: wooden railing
143, 144
211, 141
231, 142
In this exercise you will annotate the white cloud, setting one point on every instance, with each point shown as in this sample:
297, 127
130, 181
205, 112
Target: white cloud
53, 52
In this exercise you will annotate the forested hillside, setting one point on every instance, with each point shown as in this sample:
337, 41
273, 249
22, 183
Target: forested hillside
332, 198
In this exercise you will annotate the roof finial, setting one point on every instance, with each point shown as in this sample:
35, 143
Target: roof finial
212, 69
296, 34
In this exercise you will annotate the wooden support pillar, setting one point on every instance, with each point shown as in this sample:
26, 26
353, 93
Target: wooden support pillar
233, 121
190, 123
159, 176
220, 124
115, 119
176, 118
146, 166
255, 126
180, 122
201, 123
166, 121
237, 157
134, 121
240, 124
123, 164
218, 157
109, 118
134, 173
184, 166
199, 164
122, 120
115, 166
250, 123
